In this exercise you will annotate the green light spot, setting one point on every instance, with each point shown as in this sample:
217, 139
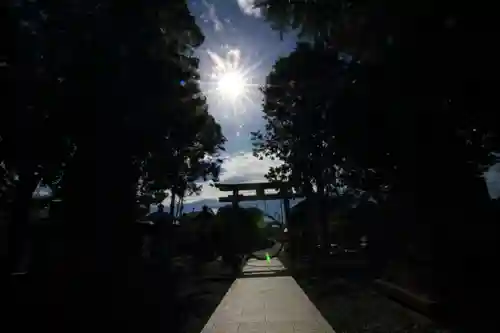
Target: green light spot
268, 258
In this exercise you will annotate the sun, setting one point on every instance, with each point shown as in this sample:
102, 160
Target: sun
231, 84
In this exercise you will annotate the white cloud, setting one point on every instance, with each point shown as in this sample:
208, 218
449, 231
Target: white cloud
212, 15
245, 168
492, 177
247, 7
239, 168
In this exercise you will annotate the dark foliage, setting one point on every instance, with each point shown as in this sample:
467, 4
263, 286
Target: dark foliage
104, 107
412, 121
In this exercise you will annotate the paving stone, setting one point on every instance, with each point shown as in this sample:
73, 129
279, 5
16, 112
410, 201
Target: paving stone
226, 328
279, 327
266, 305
221, 328
253, 315
257, 327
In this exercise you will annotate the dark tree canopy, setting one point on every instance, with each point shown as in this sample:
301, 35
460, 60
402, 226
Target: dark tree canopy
105, 106
412, 112
419, 47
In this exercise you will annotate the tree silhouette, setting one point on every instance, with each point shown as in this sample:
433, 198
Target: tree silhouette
188, 157
409, 45
105, 102
303, 106
240, 230
421, 120
34, 146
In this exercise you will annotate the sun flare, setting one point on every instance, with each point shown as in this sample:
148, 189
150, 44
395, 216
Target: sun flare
231, 84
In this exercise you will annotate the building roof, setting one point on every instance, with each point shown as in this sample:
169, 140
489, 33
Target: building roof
42, 192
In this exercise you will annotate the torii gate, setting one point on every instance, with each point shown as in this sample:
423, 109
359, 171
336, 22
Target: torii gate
284, 192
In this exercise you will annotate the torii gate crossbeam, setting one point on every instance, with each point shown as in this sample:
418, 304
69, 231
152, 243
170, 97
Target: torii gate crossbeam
284, 192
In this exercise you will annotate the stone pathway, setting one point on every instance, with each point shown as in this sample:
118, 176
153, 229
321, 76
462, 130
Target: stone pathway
270, 304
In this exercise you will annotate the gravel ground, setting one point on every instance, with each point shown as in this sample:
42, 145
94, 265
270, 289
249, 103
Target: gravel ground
352, 308
349, 307
201, 293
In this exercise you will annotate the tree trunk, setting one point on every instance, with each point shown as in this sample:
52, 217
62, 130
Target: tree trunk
172, 201
180, 205
323, 216
98, 199
181, 209
20, 223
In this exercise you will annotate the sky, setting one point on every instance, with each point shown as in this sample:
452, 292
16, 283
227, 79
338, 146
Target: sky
237, 36
237, 39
